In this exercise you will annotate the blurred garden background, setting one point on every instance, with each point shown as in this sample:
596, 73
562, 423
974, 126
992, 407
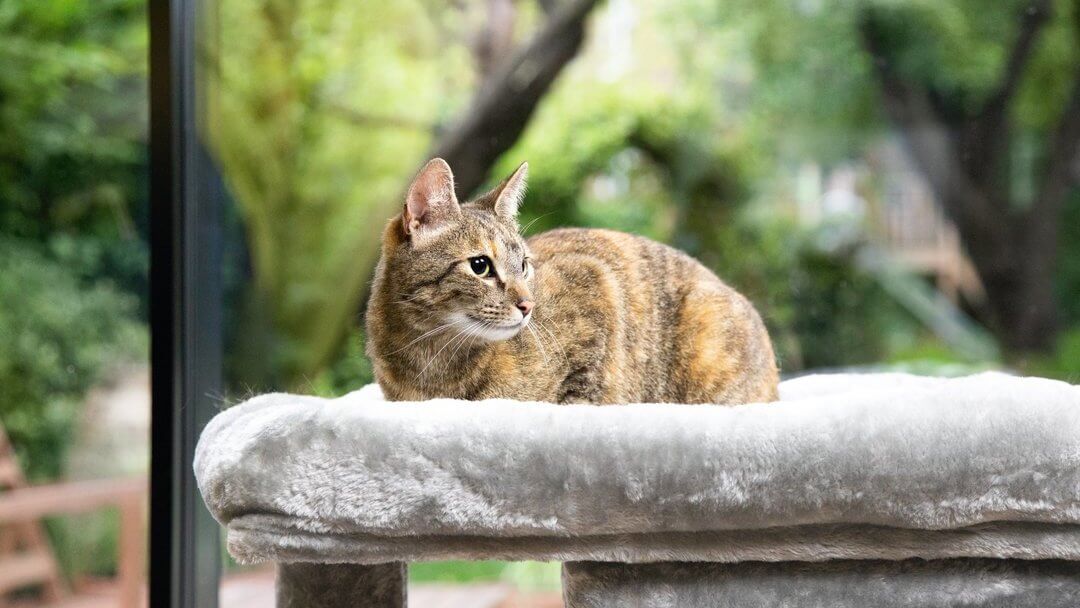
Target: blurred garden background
894, 183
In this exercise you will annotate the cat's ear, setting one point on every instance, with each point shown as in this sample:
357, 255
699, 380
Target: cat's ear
431, 201
505, 199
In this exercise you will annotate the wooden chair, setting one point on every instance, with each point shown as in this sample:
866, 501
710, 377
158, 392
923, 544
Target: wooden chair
27, 562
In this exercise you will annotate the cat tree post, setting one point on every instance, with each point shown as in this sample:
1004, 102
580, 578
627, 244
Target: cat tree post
947, 583
307, 585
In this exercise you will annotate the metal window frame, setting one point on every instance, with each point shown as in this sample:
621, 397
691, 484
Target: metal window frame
185, 316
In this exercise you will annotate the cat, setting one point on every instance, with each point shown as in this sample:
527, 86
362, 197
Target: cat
462, 306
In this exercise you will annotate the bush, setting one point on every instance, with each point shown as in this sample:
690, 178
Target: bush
349, 372
1063, 363
842, 316
60, 335
821, 309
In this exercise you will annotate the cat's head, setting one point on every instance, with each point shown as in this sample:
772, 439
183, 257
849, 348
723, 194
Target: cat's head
462, 267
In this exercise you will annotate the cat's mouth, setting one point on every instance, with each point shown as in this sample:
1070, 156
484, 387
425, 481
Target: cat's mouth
495, 332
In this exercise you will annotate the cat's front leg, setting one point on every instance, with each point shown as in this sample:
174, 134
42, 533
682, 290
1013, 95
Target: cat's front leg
584, 380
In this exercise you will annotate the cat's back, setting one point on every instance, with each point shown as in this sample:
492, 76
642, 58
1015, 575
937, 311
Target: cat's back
670, 329
635, 263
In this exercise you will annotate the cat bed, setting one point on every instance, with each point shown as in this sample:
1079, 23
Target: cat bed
844, 467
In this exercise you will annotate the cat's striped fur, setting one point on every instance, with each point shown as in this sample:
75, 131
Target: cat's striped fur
616, 318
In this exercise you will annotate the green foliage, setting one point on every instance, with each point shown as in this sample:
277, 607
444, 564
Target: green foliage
841, 316
927, 356
59, 336
822, 310
72, 116
72, 135
627, 159
1063, 363
570, 140
73, 220
793, 74
809, 84
956, 48
86, 544
1044, 90
349, 371
322, 110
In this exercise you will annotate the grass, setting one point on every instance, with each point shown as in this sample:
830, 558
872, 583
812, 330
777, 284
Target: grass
526, 576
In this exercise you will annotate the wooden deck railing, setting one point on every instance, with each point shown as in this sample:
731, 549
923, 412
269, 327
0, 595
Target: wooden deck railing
21, 508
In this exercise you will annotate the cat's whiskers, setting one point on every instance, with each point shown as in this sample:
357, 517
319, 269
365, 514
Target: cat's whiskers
472, 333
555, 338
422, 352
424, 335
534, 220
470, 325
429, 315
539, 345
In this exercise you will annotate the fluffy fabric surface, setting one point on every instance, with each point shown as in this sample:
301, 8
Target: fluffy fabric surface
960, 583
301, 585
879, 466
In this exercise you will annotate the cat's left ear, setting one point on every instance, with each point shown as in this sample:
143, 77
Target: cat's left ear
505, 199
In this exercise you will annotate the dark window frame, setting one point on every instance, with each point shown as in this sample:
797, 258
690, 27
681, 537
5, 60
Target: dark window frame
186, 314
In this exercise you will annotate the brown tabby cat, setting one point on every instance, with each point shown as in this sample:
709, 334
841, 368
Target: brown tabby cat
462, 306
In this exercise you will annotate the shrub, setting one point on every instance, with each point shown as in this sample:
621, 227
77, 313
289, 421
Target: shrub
60, 335
1063, 363
821, 308
349, 372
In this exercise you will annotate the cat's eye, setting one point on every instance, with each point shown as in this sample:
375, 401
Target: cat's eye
481, 266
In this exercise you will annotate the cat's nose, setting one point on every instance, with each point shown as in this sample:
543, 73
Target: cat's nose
525, 306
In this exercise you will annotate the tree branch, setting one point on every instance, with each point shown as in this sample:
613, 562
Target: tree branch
1032, 21
548, 6
496, 38
502, 107
930, 143
986, 139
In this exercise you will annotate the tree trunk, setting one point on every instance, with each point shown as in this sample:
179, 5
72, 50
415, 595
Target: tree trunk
964, 159
1023, 308
502, 107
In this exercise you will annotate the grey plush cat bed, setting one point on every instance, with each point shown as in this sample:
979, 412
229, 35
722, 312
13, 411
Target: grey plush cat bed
834, 496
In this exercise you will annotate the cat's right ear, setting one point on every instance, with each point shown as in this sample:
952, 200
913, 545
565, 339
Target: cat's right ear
431, 201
